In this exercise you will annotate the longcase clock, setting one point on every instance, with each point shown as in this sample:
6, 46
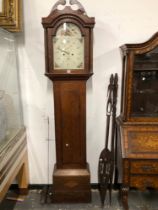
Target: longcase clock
69, 58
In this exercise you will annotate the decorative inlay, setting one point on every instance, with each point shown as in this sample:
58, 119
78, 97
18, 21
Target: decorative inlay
140, 141
71, 184
143, 141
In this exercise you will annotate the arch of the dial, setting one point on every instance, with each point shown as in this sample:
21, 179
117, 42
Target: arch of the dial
67, 20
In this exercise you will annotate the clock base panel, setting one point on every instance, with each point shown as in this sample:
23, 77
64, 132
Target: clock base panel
71, 185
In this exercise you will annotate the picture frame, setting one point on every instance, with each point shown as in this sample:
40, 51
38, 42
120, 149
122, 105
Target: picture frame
11, 15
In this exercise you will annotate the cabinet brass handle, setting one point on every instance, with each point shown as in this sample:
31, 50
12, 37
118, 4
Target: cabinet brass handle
148, 183
147, 168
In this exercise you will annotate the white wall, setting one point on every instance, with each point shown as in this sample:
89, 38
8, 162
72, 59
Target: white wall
117, 22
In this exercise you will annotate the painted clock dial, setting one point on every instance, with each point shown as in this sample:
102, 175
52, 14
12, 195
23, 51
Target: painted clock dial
68, 48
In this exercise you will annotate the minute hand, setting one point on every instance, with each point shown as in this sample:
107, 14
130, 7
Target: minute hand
64, 51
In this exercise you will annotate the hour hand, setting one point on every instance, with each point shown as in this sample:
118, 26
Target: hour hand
64, 51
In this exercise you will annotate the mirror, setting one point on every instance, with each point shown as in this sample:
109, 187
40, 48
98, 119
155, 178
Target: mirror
10, 15
1, 6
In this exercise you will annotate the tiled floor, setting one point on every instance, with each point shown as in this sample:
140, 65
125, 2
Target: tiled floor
137, 201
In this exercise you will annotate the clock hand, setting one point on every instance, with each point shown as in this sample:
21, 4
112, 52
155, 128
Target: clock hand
63, 51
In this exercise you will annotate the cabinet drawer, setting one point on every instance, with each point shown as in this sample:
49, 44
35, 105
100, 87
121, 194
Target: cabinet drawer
144, 181
144, 167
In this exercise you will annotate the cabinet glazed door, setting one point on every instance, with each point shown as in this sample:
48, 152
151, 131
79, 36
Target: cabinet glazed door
145, 85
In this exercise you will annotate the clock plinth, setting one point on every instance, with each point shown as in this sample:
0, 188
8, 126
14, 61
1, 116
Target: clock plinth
69, 58
71, 185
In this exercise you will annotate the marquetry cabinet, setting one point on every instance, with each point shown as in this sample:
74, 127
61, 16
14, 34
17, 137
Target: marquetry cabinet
137, 125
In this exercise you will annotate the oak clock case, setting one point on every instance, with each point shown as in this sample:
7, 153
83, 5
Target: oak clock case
69, 58
138, 123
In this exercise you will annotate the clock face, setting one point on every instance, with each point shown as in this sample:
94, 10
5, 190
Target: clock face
68, 48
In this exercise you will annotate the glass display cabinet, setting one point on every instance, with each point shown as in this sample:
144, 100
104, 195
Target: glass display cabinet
13, 149
137, 125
